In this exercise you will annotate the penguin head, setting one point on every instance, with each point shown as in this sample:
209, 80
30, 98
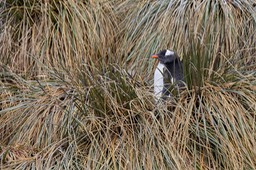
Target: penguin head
165, 56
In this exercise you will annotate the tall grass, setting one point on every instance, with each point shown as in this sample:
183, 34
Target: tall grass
56, 34
68, 99
224, 29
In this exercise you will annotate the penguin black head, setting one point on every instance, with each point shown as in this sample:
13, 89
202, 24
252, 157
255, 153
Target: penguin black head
165, 56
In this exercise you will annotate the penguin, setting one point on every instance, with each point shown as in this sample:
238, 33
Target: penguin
169, 72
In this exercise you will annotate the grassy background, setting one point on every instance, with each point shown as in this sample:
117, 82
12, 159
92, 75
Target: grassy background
76, 85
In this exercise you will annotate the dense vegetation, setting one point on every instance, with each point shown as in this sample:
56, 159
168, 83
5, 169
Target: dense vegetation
76, 84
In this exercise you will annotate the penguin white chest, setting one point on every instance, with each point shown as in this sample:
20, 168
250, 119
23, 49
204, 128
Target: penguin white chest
159, 80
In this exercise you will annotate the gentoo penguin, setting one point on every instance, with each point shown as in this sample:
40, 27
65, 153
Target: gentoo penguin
169, 72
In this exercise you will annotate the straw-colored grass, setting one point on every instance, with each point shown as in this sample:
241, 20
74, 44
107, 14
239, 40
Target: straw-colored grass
56, 34
68, 99
219, 29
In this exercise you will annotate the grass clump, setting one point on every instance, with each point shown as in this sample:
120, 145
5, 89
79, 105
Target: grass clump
220, 29
56, 34
111, 122
76, 85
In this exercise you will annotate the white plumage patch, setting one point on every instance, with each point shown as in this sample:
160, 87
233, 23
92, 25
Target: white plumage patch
169, 52
158, 81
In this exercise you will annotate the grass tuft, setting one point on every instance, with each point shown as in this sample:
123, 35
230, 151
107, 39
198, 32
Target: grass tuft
76, 85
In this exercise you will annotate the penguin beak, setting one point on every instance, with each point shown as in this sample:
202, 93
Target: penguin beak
154, 56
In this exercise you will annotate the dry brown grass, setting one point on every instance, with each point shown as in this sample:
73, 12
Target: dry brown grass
67, 100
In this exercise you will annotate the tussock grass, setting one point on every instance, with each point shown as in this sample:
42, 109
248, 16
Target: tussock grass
56, 34
100, 126
224, 30
68, 99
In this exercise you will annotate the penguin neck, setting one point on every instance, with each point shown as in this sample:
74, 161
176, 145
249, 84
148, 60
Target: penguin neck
160, 66
170, 65
167, 66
